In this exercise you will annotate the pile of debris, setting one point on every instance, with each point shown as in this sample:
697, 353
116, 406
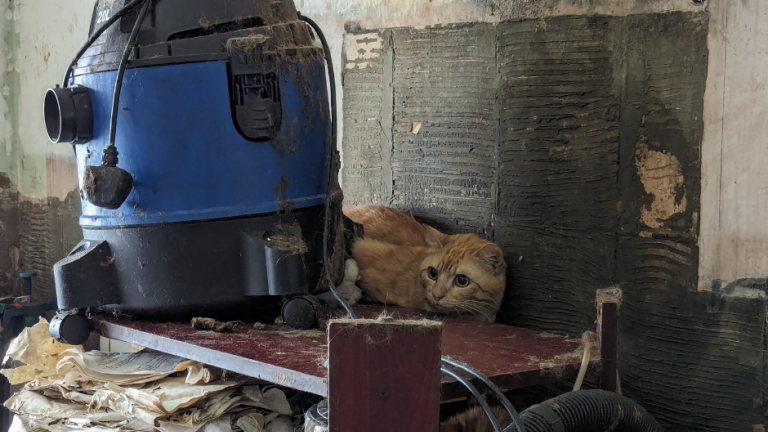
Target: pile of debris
69, 389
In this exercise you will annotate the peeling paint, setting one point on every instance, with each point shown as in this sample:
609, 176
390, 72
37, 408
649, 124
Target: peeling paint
661, 176
10, 81
61, 176
15, 255
359, 48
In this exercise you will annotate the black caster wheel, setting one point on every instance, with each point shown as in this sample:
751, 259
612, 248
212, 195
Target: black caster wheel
301, 312
69, 328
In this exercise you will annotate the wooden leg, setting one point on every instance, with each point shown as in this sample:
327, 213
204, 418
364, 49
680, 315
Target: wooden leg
384, 376
608, 302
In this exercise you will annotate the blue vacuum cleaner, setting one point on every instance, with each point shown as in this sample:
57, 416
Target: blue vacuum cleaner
205, 154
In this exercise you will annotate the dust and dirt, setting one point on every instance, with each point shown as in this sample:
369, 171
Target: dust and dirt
373, 327
286, 242
201, 323
250, 43
286, 331
204, 22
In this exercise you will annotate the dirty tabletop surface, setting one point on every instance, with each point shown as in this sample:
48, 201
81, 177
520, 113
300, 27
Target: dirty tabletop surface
513, 357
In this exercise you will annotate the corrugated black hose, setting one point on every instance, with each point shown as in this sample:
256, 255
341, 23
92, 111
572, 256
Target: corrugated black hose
588, 411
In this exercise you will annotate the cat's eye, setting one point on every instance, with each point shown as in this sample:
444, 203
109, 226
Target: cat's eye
432, 273
462, 281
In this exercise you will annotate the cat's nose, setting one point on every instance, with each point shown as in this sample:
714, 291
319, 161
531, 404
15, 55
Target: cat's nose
437, 296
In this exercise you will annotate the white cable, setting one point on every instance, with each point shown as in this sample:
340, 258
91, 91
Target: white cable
587, 342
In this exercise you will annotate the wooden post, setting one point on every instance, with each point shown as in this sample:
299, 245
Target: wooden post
384, 376
608, 302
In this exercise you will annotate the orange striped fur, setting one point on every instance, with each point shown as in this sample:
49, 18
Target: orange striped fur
412, 265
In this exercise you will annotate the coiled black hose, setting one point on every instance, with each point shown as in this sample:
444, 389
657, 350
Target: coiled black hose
588, 411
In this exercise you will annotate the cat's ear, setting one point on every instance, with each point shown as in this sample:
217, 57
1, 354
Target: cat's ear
492, 255
433, 237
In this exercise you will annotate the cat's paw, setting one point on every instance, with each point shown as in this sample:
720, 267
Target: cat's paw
351, 271
347, 289
350, 292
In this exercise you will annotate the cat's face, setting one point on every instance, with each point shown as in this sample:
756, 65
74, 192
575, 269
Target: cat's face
465, 275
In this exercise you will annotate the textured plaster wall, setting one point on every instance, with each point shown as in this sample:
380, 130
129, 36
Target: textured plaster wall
733, 233
336, 15
419, 134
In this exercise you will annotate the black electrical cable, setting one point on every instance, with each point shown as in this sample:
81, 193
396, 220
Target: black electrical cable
494, 388
480, 400
121, 72
334, 143
95, 35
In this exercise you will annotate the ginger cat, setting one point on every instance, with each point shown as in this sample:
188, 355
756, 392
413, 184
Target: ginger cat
403, 262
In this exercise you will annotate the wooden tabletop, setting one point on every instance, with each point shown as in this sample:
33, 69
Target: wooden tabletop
512, 357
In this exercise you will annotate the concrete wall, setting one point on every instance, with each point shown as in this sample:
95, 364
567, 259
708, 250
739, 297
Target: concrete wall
734, 228
39, 39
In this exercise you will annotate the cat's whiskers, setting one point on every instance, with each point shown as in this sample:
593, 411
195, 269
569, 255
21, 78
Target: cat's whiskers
471, 309
480, 307
474, 304
486, 300
477, 310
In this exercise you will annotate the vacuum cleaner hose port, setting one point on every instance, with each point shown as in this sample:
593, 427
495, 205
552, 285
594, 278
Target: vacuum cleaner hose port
68, 115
